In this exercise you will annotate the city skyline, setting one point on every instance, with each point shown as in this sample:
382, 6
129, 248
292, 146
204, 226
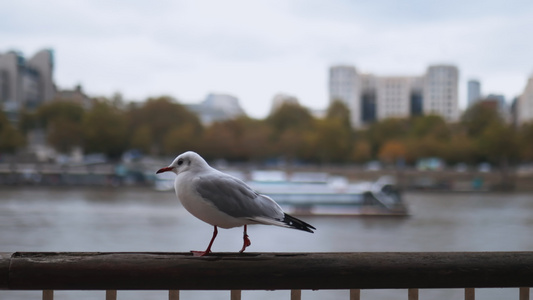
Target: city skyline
254, 51
374, 98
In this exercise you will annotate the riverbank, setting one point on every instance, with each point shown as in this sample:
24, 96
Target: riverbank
143, 175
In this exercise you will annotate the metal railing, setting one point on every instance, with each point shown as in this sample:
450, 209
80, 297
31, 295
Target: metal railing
112, 271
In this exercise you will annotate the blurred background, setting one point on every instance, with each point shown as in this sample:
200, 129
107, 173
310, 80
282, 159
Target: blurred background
287, 95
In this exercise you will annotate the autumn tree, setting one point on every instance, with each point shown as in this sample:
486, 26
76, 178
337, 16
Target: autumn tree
290, 124
361, 151
499, 143
428, 146
10, 138
155, 119
141, 138
461, 148
293, 145
386, 130
181, 139
27, 121
64, 134
256, 139
433, 126
223, 140
62, 121
339, 111
238, 139
290, 116
392, 151
52, 111
477, 118
331, 140
104, 130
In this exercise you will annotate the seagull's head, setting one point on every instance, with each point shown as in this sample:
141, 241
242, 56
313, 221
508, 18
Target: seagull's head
186, 161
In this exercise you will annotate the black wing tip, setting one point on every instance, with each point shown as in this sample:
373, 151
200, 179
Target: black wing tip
296, 223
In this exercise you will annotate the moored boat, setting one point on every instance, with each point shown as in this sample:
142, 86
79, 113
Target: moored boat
333, 196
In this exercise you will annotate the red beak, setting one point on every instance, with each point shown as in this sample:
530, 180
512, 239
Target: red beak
165, 169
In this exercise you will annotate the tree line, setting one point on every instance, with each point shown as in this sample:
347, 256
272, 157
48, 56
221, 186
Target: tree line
163, 127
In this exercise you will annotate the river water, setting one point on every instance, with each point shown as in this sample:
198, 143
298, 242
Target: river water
39, 219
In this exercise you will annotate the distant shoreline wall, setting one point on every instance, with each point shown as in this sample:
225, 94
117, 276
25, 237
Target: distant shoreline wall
410, 179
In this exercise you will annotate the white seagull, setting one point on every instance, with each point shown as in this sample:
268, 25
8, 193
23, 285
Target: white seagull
223, 200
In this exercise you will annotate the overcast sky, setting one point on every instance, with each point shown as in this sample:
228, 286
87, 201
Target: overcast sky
254, 49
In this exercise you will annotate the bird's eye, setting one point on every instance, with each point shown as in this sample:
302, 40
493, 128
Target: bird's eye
180, 162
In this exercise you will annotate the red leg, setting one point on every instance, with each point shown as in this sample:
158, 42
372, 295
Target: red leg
208, 250
246, 240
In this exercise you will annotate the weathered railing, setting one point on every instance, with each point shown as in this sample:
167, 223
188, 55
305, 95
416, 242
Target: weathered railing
266, 271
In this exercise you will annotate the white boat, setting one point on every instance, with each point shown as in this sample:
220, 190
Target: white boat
321, 194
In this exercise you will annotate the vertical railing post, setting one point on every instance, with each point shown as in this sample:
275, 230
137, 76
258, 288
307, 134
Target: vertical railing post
235, 295
470, 294
296, 294
524, 293
412, 294
174, 295
111, 295
355, 294
48, 295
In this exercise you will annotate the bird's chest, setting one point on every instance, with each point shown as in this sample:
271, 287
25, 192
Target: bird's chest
190, 199
202, 208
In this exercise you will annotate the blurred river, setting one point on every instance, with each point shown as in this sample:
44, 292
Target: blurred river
40, 219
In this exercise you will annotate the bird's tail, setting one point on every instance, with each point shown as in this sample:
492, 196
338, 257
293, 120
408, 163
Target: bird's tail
296, 223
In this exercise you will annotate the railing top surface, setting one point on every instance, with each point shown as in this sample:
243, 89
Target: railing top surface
263, 271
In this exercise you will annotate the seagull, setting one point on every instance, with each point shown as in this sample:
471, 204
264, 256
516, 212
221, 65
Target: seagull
224, 201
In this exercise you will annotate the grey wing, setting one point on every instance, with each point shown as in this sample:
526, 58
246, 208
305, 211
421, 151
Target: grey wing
235, 198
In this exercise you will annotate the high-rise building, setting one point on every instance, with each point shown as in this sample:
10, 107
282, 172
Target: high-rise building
474, 92
25, 83
524, 109
441, 92
372, 98
394, 96
43, 63
368, 100
344, 87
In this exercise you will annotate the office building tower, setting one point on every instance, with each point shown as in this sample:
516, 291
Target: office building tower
474, 92
25, 84
524, 109
441, 92
343, 86
372, 98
